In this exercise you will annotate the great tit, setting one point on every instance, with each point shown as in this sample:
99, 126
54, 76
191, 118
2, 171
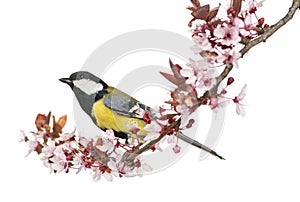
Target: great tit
110, 108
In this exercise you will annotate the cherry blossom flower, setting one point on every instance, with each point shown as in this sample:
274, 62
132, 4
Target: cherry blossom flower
228, 35
153, 131
58, 163
238, 99
49, 149
201, 44
213, 102
32, 146
246, 26
97, 175
253, 5
176, 149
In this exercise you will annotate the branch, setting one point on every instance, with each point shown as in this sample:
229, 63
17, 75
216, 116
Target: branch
262, 38
129, 157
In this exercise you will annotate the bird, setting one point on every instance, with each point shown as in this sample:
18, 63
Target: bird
111, 108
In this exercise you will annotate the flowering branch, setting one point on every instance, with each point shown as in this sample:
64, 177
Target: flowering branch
250, 44
222, 44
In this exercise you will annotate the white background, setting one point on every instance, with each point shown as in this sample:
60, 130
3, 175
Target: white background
41, 41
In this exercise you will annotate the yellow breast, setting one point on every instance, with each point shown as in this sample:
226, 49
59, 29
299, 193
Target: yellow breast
107, 119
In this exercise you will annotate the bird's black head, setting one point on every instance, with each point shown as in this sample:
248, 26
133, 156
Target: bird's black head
85, 82
87, 88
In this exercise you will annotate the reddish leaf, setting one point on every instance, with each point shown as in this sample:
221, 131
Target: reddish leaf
62, 121
201, 12
42, 121
56, 129
213, 13
171, 78
191, 8
176, 71
58, 126
236, 5
196, 3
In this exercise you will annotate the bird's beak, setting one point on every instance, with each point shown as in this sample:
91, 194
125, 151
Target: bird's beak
66, 80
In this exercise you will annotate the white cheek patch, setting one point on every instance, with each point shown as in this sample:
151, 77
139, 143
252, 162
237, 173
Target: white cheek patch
88, 86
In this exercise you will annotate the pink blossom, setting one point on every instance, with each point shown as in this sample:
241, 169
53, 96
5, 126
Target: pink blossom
23, 137
238, 99
205, 82
49, 148
253, 5
223, 102
247, 28
229, 35
97, 175
58, 163
108, 176
201, 44
198, 65
153, 131
176, 149
190, 74
158, 147
213, 102
184, 118
171, 139
32, 146
67, 136
107, 146
230, 56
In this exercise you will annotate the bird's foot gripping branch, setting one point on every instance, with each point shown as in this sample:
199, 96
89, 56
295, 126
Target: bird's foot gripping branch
220, 41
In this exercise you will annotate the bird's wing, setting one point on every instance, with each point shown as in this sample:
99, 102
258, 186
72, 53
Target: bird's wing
125, 105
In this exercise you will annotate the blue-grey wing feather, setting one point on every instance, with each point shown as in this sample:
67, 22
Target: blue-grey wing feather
123, 104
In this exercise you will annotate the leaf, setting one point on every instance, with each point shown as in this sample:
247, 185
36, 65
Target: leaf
201, 12
42, 121
236, 5
196, 3
213, 13
171, 78
56, 129
62, 121
176, 71
191, 8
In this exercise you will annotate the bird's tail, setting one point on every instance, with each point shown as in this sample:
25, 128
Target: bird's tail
197, 144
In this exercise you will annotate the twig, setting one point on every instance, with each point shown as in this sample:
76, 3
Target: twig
271, 30
132, 155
